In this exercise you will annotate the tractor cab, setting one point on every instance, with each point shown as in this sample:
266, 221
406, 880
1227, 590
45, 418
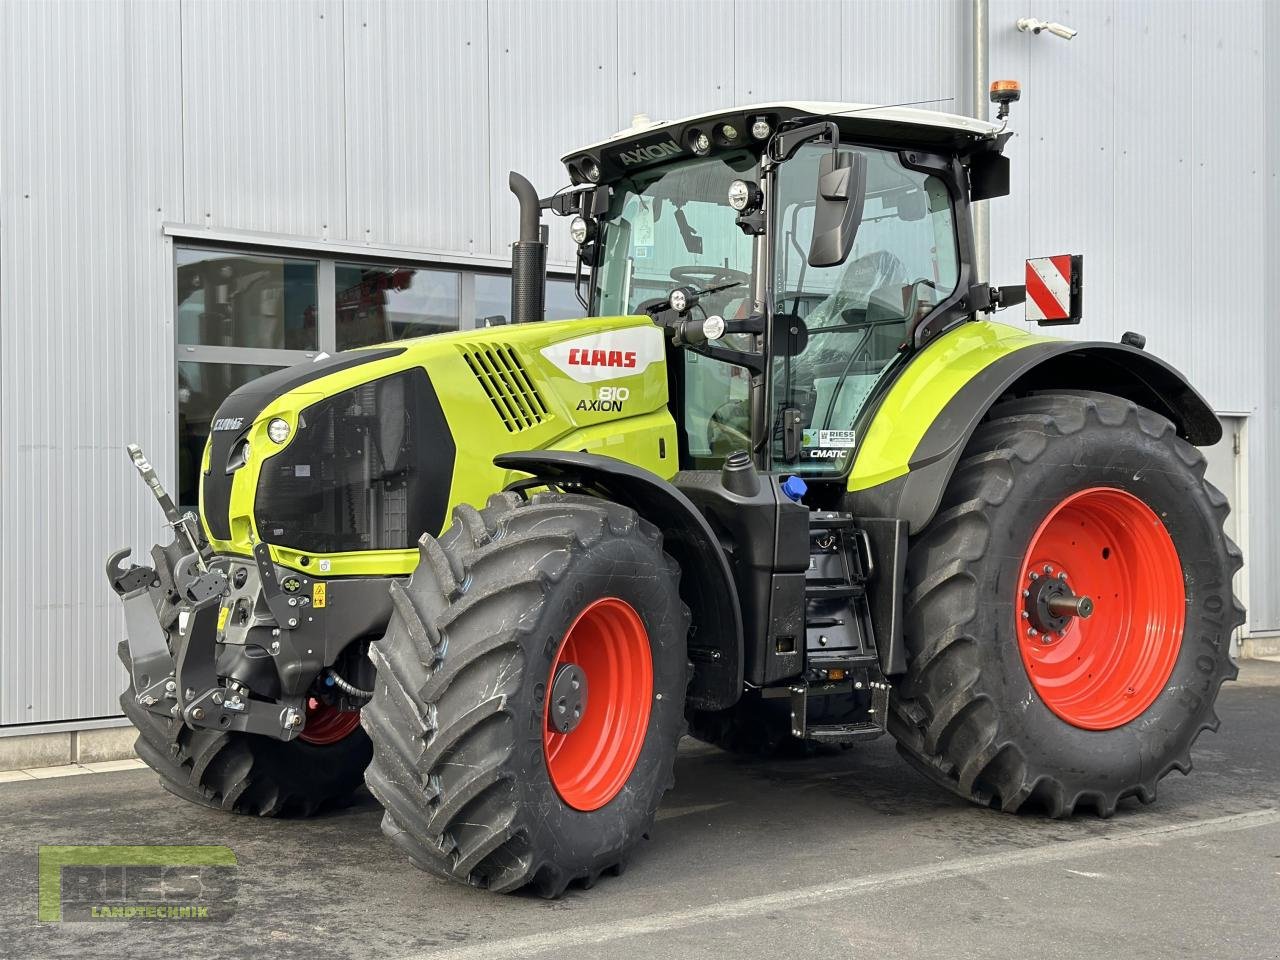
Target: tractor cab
796, 253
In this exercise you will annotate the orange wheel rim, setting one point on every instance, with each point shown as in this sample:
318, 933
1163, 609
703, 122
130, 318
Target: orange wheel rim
1107, 545
607, 644
327, 724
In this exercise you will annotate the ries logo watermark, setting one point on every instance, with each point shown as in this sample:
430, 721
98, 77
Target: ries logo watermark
182, 883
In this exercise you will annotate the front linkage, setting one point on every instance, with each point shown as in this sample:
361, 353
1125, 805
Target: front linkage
181, 610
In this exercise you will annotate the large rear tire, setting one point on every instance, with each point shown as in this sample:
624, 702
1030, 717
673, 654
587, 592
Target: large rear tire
1092, 491
246, 773
476, 674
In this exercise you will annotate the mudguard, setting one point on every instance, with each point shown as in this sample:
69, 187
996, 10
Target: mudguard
706, 583
919, 430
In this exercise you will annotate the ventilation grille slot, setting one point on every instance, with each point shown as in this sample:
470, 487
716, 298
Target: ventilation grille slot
508, 386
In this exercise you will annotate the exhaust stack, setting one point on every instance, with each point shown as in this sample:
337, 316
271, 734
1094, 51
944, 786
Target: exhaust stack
528, 255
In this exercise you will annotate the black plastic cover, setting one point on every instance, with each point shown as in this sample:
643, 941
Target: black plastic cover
368, 469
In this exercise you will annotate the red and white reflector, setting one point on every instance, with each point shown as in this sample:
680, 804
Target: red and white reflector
1054, 289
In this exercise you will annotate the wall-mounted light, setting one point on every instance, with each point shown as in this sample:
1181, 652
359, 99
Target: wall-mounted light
1032, 25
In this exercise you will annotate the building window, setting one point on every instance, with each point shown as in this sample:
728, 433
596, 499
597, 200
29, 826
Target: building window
378, 303
228, 299
243, 313
493, 299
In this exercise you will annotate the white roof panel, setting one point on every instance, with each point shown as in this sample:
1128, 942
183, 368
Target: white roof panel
907, 116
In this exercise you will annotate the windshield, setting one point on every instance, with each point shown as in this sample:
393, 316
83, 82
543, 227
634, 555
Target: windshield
672, 226
904, 261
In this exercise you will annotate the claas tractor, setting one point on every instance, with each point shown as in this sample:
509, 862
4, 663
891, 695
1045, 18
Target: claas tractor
786, 486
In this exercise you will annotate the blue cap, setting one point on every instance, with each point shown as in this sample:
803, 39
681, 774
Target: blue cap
794, 487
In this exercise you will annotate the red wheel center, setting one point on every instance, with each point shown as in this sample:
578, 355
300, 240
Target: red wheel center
1101, 672
609, 646
327, 724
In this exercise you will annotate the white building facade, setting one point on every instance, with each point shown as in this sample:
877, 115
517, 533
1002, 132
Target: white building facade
341, 153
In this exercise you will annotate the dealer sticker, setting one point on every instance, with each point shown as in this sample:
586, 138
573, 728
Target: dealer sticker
835, 438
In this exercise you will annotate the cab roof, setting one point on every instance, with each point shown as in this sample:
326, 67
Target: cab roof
647, 141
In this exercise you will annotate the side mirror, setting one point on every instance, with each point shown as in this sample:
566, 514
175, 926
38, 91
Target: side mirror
837, 214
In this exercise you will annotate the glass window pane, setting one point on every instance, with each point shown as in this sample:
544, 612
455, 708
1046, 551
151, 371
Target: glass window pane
562, 302
376, 303
493, 299
229, 299
904, 262
201, 389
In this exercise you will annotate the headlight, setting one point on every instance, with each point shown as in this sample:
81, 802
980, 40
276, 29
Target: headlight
580, 230
278, 430
679, 300
713, 327
760, 129
744, 196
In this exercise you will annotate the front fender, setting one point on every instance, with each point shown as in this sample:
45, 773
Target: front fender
706, 582
918, 433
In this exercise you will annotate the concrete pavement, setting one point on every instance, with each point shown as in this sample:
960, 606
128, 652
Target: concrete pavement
852, 855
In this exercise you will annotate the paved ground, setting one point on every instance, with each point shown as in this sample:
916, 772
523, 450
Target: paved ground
848, 856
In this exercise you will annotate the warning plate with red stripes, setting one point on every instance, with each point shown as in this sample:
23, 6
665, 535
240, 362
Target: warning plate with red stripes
1053, 289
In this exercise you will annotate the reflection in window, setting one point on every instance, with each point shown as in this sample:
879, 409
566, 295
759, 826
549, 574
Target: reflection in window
493, 300
201, 389
230, 299
376, 304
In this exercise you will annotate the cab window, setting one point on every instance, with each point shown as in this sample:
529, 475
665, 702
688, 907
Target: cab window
904, 261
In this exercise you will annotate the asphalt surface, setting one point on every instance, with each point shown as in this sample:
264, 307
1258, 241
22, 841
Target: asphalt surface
853, 855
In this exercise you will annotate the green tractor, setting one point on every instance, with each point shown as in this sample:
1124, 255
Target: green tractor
786, 485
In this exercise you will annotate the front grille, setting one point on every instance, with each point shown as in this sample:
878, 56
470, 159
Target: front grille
367, 469
518, 404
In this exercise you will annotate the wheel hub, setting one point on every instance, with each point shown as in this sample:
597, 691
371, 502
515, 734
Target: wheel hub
568, 698
1049, 605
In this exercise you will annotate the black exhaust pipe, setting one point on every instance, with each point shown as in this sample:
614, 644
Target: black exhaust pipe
528, 256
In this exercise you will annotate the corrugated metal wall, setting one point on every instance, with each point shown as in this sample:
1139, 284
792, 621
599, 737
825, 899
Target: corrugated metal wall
90, 167
1143, 144
394, 123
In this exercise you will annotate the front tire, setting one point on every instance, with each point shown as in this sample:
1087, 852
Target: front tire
476, 677
246, 773
1094, 491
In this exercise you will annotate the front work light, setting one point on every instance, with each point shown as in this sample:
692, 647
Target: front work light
679, 300
278, 430
744, 196
581, 230
701, 143
760, 129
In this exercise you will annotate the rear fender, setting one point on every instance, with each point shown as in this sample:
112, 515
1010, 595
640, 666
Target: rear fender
918, 434
706, 582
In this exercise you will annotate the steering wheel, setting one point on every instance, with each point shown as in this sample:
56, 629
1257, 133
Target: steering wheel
708, 276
